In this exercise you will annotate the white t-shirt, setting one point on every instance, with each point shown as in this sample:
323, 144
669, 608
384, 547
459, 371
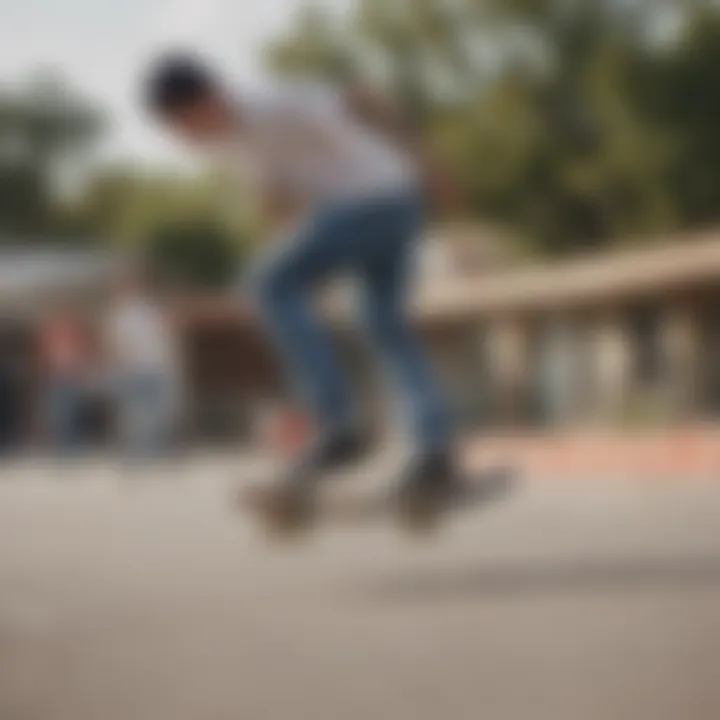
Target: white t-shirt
141, 339
299, 139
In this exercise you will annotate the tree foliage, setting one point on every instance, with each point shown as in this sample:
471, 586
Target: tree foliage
178, 223
576, 123
45, 130
199, 254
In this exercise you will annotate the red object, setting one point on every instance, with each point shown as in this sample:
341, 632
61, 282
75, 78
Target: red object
288, 431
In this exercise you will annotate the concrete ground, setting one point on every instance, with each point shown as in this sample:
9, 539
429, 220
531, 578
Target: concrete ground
149, 598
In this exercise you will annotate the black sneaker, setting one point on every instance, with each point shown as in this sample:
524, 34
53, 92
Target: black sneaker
328, 453
427, 489
288, 505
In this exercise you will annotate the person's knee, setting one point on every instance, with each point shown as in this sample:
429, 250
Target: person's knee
386, 328
271, 284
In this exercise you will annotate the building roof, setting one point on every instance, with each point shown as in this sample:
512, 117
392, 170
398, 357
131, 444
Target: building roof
33, 276
619, 276
603, 279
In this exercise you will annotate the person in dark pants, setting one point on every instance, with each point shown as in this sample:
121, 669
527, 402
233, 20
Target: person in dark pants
64, 350
347, 202
144, 363
12, 409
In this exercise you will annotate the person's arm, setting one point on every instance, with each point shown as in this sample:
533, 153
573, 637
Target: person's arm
279, 209
440, 182
378, 112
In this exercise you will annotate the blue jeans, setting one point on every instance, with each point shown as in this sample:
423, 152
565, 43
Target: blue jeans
145, 414
372, 241
65, 403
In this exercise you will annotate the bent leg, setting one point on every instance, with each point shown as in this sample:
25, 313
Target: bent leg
283, 285
385, 281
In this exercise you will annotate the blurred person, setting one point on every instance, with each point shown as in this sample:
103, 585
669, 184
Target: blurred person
143, 368
64, 353
14, 389
346, 200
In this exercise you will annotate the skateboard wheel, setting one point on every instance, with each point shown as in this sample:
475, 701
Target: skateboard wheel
283, 514
420, 518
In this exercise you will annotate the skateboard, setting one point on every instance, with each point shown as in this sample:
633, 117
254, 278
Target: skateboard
291, 512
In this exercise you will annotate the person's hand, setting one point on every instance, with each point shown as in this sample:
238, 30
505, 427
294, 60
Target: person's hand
377, 112
280, 210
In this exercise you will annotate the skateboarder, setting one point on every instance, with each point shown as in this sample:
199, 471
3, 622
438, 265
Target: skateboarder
347, 201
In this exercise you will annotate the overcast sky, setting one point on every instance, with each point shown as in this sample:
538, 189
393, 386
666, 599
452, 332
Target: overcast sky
102, 44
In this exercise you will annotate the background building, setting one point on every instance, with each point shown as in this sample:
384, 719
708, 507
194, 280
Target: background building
624, 338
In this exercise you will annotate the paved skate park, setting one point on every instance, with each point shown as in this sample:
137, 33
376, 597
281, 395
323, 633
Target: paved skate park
147, 597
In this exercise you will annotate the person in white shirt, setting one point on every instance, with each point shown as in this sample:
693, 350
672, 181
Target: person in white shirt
348, 201
144, 369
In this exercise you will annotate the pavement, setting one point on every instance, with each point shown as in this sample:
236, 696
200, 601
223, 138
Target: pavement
149, 597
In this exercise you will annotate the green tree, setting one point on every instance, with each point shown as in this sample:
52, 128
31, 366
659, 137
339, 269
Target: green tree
199, 254
45, 129
575, 123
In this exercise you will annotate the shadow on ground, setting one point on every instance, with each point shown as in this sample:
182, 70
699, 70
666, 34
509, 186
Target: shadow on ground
541, 578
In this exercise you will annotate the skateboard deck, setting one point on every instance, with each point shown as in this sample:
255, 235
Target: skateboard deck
344, 505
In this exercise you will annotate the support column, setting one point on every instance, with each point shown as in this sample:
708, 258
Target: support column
509, 363
558, 364
682, 361
613, 368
